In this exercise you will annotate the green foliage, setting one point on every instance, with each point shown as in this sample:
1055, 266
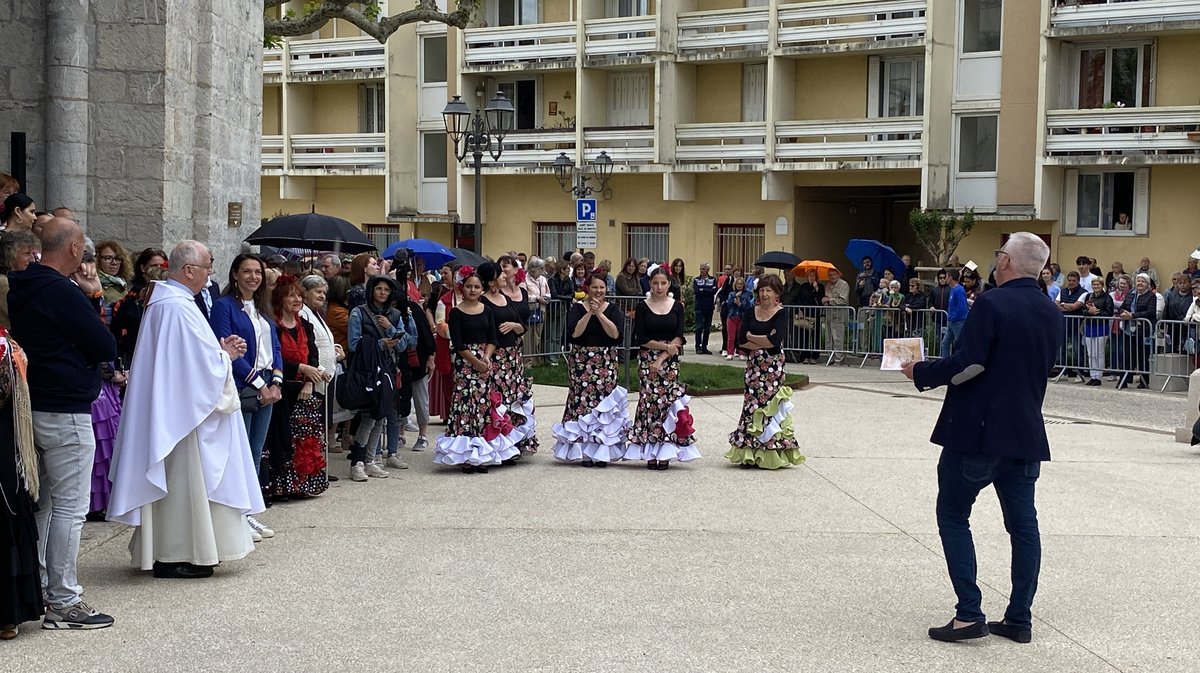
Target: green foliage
940, 232
700, 378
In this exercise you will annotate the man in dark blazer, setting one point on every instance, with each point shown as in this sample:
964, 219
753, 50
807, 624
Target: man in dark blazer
992, 432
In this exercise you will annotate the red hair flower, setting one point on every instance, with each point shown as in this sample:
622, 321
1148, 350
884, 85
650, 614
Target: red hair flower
165, 265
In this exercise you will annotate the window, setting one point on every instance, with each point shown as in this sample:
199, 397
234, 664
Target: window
977, 144
739, 244
615, 8
646, 240
372, 108
433, 59
382, 235
433, 155
1114, 76
981, 26
1094, 202
553, 238
902, 87
513, 12
523, 95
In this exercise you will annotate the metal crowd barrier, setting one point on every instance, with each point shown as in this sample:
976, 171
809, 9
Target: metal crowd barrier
819, 332
548, 341
1176, 345
874, 324
1105, 346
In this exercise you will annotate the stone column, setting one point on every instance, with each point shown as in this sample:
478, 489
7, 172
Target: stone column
68, 61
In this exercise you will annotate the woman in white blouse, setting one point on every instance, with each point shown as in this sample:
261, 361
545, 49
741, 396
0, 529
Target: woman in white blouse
538, 287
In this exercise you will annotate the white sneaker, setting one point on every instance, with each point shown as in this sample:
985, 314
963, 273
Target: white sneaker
723, 353
395, 463
728, 357
259, 528
358, 472
411, 426
255, 536
373, 470
421, 444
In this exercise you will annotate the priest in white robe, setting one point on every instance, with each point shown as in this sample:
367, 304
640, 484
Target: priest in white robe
181, 468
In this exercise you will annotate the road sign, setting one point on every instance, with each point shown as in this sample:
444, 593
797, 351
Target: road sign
585, 240
585, 210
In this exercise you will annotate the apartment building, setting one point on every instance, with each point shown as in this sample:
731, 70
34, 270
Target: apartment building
737, 126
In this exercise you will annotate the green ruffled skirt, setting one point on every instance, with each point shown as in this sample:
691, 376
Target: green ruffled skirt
765, 436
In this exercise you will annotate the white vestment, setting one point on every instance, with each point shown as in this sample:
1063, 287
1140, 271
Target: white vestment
181, 467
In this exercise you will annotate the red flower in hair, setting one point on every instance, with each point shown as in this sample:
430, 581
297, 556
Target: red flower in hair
684, 424
285, 279
165, 265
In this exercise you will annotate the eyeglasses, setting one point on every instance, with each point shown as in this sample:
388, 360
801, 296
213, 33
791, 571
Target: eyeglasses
107, 258
201, 266
1000, 252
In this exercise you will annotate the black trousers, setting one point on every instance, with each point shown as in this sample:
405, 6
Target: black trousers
703, 327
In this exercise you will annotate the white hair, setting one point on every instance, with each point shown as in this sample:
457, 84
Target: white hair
186, 252
1028, 254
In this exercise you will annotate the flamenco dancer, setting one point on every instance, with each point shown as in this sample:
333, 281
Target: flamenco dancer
475, 427
445, 295
508, 375
662, 429
20, 583
764, 437
596, 416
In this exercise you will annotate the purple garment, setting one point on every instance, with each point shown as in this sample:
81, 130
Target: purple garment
106, 413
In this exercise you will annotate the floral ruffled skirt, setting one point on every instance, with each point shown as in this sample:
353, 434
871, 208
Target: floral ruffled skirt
516, 392
764, 436
596, 416
474, 416
662, 428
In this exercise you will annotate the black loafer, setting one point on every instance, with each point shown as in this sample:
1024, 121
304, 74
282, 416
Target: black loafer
1020, 634
181, 571
601, 463
949, 634
587, 462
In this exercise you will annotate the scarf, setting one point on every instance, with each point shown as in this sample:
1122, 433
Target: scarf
108, 281
13, 360
294, 349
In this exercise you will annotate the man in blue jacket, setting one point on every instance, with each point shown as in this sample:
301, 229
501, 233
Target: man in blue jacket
956, 313
992, 432
704, 287
66, 342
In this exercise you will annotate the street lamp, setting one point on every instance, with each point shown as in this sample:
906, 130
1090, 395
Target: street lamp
575, 181
475, 134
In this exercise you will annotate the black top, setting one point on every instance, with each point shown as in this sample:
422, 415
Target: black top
650, 326
502, 313
522, 306
773, 329
471, 329
593, 332
807, 295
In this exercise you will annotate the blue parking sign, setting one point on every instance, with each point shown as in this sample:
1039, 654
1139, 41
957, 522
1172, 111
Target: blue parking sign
585, 210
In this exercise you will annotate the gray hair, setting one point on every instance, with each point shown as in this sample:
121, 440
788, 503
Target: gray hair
535, 262
1028, 254
313, 281
185, 253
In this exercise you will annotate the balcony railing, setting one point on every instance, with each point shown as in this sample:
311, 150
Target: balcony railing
272, 61
624, 144
344, 151
519, 44
890, 139
1123, 131
622, 36
335, 55
537, 148
735, 142
724, 29
272, 152
1099, 13
820, 24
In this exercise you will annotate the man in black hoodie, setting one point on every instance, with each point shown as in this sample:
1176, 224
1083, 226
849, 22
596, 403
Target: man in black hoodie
66, 342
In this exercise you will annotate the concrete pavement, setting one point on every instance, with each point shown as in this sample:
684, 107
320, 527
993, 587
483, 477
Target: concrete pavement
832, 566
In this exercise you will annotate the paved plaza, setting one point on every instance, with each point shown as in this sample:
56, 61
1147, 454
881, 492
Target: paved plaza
832, 566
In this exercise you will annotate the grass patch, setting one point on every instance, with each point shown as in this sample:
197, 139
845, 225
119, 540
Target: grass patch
701, 379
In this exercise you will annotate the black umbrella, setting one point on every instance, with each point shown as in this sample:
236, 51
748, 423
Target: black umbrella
464, 256
312, 231
778, 259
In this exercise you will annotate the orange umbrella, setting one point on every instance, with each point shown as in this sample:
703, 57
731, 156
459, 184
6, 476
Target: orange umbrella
822, 268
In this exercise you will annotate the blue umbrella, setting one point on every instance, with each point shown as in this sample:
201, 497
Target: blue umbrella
434, 254
882, 256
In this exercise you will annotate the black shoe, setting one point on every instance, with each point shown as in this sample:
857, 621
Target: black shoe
587, 462
1141, 386
1122, 384
480, 469
95, 516
664, 464
1093, 382
332, 478
745, 466
1020, 634
509, 461
467, 469
601, 463
181, 571
949, 634
652, 465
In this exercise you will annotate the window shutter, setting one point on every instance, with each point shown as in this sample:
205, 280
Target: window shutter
1141, 201
1070, 201
873, 74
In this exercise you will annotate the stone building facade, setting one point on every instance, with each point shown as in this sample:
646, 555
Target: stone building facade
143, 116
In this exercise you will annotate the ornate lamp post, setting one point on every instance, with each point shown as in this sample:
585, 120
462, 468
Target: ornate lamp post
476, 134
575, 181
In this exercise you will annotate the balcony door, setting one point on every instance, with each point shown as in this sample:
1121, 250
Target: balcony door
615, 8
629, 98
513, 12
523, 94
1114, 76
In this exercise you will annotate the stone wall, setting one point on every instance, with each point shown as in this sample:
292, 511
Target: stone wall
143, 115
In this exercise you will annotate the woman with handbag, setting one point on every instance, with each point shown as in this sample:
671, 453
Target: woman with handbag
296, 439
244, 309
509, 377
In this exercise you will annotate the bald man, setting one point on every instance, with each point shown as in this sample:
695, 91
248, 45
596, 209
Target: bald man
66, 342
992, 432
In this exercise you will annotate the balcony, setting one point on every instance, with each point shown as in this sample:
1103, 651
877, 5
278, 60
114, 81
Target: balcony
1125, 136
733, 143
891, 142
719, 33
626, 145
621, 37
840, 25
544, 44
340, 58
272, 63
339, 154
272, 155
1083, 17
533, 151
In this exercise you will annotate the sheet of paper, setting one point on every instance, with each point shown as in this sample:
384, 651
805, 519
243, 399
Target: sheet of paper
898, 351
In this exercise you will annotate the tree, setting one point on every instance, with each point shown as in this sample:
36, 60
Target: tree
940, 232
365, 14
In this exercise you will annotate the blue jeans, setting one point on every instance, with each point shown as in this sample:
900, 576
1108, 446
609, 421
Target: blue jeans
953, 331
66, 448
961, 477
257, 423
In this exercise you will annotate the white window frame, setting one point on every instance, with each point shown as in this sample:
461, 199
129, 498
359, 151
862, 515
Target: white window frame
629, 235
372, 97
961, 8
1141, 203
421, 40
493, 13
958, 143
1071, 96
537, 97
877, 65
564, 231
